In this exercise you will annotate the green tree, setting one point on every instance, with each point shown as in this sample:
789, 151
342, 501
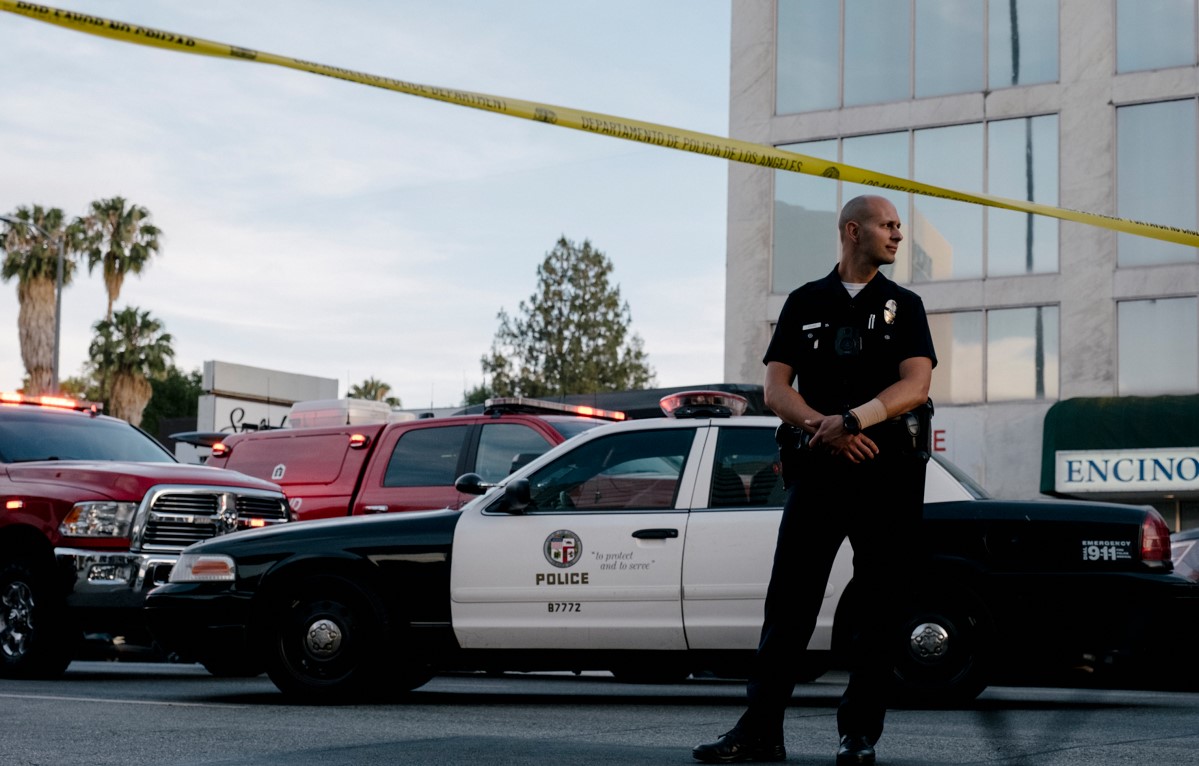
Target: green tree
572, 335
375, 391
128, 350
121, 240
82, 386
175, 395
32, 258
477, 395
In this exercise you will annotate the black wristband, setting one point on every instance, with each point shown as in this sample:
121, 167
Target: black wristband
850, 422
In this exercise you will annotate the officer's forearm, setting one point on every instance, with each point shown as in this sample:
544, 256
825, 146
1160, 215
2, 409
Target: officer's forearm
911, 390
783, 400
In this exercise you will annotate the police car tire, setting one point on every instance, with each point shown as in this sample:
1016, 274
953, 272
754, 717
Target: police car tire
36, 637
962, 672
233, 667
325, 641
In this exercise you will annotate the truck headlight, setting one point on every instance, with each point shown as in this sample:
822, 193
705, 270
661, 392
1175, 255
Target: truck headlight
203, 567
101, 518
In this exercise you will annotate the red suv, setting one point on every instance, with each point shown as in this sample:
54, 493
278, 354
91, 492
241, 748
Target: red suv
402, 466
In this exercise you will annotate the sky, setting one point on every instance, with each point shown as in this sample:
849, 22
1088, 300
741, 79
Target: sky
322, 227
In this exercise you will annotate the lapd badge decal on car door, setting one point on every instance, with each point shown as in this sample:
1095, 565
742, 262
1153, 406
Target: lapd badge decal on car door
563, 548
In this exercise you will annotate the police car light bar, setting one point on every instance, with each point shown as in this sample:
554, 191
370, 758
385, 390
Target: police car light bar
703, 404
542, 407
61, 402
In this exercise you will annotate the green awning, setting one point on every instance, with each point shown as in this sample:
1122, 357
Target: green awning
1118, 423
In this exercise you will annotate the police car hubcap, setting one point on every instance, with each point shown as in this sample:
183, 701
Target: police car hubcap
930, 641
323, 638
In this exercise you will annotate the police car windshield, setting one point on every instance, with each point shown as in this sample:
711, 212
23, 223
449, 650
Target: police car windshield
27, 436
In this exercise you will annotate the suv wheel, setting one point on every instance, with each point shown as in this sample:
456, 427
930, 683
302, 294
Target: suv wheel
34, 633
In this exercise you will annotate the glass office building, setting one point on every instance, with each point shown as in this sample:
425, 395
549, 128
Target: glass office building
1051, 335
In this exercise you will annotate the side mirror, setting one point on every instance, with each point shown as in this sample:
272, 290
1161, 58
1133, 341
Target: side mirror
518, 495
471, 484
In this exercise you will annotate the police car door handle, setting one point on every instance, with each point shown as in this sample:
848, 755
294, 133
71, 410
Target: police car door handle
375, 508
655, 534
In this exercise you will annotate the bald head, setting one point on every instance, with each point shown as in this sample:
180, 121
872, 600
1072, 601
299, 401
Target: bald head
869, 227
859, 209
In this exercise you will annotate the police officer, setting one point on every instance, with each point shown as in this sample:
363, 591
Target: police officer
858, 349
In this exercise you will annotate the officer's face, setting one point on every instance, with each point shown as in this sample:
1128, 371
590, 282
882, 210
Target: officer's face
878, 233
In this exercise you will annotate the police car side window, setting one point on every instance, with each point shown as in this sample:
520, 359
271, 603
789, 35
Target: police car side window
746, 473
505, 445
633, 471
426, 457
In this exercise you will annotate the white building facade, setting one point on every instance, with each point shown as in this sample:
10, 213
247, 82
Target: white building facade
1085, 104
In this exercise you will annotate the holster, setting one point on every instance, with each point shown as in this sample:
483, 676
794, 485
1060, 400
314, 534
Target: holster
919, 426
793, 442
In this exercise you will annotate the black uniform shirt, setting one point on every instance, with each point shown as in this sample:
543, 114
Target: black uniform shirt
844, 350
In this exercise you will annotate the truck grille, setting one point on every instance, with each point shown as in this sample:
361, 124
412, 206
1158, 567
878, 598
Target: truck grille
173, 518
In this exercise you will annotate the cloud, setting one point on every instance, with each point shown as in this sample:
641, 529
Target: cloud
318, 226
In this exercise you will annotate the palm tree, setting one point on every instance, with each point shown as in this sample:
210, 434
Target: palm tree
128, 350
121, 240
31, 255
375, 391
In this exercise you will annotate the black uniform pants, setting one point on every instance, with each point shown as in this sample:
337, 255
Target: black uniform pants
877, 504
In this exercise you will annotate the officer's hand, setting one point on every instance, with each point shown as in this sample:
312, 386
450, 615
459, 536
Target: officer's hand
858, 447
831, 435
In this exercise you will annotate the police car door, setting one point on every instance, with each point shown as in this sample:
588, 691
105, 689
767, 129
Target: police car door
595, 561
731, 540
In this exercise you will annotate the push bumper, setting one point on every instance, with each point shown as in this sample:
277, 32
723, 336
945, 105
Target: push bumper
200, 621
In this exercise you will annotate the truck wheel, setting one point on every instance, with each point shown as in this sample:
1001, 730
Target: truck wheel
35, 636
327, 644
942, 649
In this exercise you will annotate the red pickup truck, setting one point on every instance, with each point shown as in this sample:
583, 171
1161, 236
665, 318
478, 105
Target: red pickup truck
408, 465
94, 515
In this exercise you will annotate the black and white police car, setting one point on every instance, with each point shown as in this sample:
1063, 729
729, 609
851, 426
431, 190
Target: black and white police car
644, 548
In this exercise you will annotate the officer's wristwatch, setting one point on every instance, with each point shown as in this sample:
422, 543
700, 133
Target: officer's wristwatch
849, 422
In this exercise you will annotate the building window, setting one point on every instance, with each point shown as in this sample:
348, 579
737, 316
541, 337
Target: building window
877, 66
944, 239
1022, 353
1018, 361
1156, 161
1022, 163
1022, 40
834, 53
805, 223
809, 55
947, 235
1158, 343
949, 36
1154, 34
958, 376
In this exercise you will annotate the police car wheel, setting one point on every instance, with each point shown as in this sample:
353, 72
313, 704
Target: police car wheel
941, 648
36, 638
325, 640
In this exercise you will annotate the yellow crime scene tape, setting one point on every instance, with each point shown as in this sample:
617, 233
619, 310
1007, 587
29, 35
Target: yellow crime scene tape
589, 122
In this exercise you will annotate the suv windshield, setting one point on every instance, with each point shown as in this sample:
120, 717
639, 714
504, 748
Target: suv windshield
37, 435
